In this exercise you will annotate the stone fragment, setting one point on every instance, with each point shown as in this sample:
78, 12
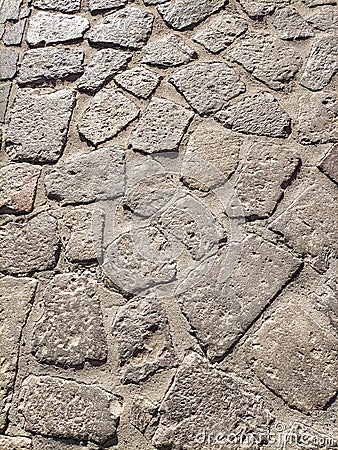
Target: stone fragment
42, 443
256, 9
97, 175
18, 187
161, 128
142, 411
38, 126
9, 60
153, 2
126, 28
322, 63
169, 51
102, 68
30, 246
14, 33
96, 6
207, 87
290, 25
138, 81
221, 32
66, 409
312, 3
48, 28
10, 10
108, 113
65, 6
5, 90
329, 165
259, 114
325, 20
15, 443
45, 64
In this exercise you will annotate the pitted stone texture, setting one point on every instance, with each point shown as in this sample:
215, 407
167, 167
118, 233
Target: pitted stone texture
44, 64
15, 443
221, 32
290, 25
18, 187
182, 14
42, 443
259, 114
66, 409
10, 10
96, 6
234, 304
256, 9
30, 246
321, 64
126, 28
39, 124
266, 59
207, 87
14, 33
201, 398
161, 128
98, 175
48, 28
169, 51
9, 60
141, 413
329, 165
16, 296
102, 68
65, 6
5, 90
143, 339
108, 113
325, 20
138, 81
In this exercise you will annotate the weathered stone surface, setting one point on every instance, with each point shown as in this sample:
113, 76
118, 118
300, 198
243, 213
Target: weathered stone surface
88, 177
102, 68
256, 9
65, 6
207, 87
142, 411
161, 128
47, 28
329, 164
15, 443
10, 10
290, 25
43, 443
9, 60
321, 64
14, 33
30, 246
325, 20
312, 3
126, 28
62, 408
44, 64
138, 81
39, 124
259, 114
221, 32
5, 89
96, 6
169, 51
153, 2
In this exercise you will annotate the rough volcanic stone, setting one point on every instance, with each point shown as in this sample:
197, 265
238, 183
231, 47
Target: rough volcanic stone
18, 187
48, 28
5, 90
126, 28
14, 33
256, 9
96, 6
15, 443
325, 20
143, 339
30, 246
329, 165
207, 87
9, 60
138, 81
162, 126
65, 6
39, 124
321, 64
221, 32
259, 114
62, 408
169, 51
102, 68
88, 177
44, 64
290, 25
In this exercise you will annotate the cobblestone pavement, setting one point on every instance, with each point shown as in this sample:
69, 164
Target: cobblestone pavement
168, 224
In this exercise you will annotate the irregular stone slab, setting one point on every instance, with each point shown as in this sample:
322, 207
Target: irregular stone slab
5, 90
10, 10
18, 187
38, 127
207, 87
181, 14
321, 64
266, 59
221, 32
14, 33
48, 28
96, 6
325, 20
329, 164
169, 51
44, 64
65, 6
138, 81
141, 413
256, 9
126, 28
161, 128
30, 246
200, 398
16, 296
290, 25
98, 175
259, 114
9, 60
143, 338
47, 403
15, 443
102, 68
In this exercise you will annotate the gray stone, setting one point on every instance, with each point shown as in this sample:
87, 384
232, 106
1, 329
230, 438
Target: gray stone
108, 113
221, 32
65, 6
5, 90
169, 51
161, 128
48, 28
15, 443
138, 81
96, 6
8, 63
312, 3
62, 408
325, 20
126, 28
42, 443
329, 164
14, 33
97, 175
38, 126
207, 87
290, 25
29, 246
10, 10
142, 411
256, 9
101, 69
